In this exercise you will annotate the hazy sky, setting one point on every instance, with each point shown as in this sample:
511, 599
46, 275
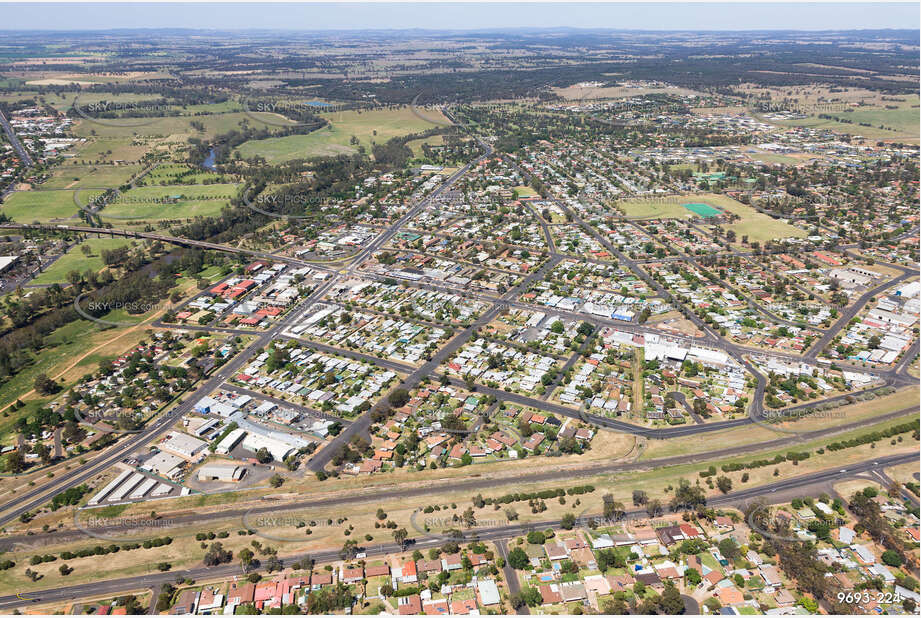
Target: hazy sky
652, 16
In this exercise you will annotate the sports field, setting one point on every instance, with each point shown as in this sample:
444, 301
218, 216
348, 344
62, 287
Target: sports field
368, 127
172, 202
28, 206
757, 226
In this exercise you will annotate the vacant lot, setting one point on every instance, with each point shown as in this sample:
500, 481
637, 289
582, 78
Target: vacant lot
109, 150
368, 127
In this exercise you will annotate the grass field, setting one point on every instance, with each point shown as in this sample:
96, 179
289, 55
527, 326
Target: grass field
95, 176
110, 149
173, 125
75, 259
28, 206
65, 100
768, 157
65, 343
368, 127
156, 202
524, 191
170, 173
755, 225
814, 122
901, 123
416, 144
701, 443
153, 203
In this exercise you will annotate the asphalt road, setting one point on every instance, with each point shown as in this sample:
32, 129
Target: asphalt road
474, 483
17, 145
37, 497
227, 571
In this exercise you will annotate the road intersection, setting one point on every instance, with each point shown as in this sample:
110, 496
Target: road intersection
897, 376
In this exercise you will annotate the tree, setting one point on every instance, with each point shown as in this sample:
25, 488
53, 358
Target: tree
44, 453
724, 483
729, 548
399, 536
892, 558
276, 481
671, 602
131, 605
639, 497
263, 455
613, 509
518, 559
349, 550
687, 496
14, 462
615, 607
531, 596
164, 600
216, 555
45, 385
568, 521
398, 398
246, 557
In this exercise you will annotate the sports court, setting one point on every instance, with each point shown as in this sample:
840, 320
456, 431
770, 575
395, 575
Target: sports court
703, 210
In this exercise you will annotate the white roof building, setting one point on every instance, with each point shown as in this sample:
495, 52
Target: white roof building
279, 449
183, 445
225, 473
489, 593
163, 464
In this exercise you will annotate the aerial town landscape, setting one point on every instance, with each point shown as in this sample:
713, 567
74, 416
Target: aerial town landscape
300, 319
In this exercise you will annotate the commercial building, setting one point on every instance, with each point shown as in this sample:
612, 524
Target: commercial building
224, 473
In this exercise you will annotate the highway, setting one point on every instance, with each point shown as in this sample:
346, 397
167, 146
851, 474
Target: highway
475, 483
17, 145
771, 493
36, 497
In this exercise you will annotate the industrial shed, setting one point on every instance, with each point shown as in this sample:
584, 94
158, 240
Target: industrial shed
225, 473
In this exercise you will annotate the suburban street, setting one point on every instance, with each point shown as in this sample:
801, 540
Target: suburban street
34, 498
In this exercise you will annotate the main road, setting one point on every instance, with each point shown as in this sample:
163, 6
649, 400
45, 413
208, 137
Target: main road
17, 145
772, 493
476, 483
42, 494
